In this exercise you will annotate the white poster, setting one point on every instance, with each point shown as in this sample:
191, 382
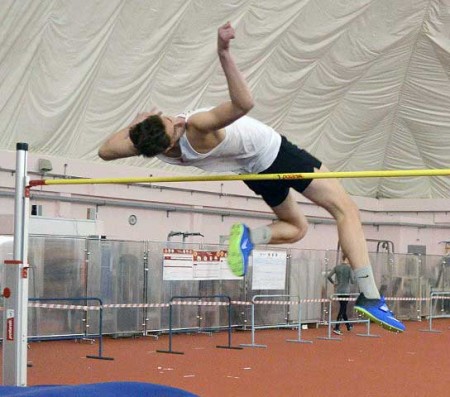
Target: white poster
269, 270
179, 264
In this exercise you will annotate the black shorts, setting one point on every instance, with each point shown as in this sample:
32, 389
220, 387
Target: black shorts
290, 159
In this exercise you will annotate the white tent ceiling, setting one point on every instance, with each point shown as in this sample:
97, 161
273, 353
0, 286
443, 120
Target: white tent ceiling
362, 84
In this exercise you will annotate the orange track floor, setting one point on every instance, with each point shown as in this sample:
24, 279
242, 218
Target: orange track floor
410, 364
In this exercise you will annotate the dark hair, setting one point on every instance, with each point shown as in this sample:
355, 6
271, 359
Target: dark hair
149, 136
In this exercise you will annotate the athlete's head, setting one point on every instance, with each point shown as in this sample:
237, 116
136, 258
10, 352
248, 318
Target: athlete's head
156, 134
149, 136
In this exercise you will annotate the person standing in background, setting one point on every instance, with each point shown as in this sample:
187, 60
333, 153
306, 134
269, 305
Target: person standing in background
343, 277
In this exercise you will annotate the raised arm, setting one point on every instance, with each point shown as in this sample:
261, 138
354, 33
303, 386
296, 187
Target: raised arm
241, 98
119, 145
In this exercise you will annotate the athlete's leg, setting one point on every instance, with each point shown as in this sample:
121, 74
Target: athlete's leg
330, 195
291, 225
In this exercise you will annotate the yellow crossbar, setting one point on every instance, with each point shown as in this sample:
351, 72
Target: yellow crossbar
245, 177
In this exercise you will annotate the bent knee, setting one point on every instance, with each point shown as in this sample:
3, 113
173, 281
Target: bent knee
300, 232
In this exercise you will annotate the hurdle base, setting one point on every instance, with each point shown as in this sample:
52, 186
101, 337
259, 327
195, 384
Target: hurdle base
101, 358
252, 345
433, 331
329, 338
368, 335
299, 340
150, 335
229, 347
88, 340
169, 352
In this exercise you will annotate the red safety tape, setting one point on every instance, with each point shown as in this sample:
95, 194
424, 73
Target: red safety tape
269, 302
61, 306
206, 303
134, 305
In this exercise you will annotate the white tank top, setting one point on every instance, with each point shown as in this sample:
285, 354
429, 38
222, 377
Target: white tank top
249, 147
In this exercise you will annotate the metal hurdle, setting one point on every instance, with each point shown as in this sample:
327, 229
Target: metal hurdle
434, 296
199, 298
331, 322
299, 325
99, 335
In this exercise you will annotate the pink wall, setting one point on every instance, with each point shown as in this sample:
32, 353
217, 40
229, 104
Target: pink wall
418, 222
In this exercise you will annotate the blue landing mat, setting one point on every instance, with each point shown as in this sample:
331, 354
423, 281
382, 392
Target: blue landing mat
110, 389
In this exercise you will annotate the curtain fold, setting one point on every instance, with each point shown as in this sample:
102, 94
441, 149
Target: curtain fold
362, 84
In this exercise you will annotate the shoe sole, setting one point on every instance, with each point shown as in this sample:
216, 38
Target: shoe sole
376, 320
235, 258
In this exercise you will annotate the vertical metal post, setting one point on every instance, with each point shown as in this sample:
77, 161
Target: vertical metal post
16, 283
419, 289
253, 328
323, 304
299, 331
145, 288
170, 326
253, 323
